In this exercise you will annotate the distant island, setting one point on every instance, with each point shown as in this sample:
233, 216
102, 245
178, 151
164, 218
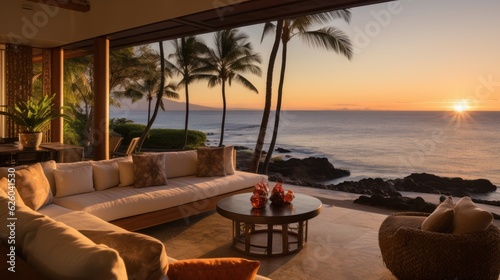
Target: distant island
170, 105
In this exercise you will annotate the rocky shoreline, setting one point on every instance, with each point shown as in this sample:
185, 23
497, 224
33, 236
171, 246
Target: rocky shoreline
374, 191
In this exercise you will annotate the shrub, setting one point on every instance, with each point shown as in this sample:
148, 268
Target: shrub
125, 130
170, 138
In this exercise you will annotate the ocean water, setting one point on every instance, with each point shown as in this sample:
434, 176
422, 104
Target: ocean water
385, 144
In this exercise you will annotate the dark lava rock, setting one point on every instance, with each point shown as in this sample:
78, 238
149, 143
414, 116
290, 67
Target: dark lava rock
429, 183
306, 170
417, 204
282, 150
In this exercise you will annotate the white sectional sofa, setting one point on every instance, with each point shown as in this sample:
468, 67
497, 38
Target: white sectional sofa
105, 207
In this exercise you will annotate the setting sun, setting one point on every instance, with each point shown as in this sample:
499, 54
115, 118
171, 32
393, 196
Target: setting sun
461, 106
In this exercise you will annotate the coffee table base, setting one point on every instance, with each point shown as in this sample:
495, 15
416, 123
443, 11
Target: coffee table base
270, 240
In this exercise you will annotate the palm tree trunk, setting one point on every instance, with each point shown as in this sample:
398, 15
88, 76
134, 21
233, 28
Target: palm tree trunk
149, 109
186, 121
159, 97
278, 110
254, 164
223, 113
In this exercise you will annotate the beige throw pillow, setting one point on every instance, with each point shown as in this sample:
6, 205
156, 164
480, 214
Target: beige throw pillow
48, 168
74, 181
469, 218
33, 186
210, 162
441, 220
149, 170
106, 175
229, 160
126, 173
179, 164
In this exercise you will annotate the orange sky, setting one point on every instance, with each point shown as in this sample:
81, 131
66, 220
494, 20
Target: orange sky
410, 55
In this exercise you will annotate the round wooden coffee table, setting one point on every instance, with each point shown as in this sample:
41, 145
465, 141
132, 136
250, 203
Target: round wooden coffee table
255, 230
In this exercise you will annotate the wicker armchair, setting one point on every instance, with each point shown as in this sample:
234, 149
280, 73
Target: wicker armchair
410, 253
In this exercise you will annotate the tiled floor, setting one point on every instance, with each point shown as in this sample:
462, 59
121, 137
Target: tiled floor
342, 242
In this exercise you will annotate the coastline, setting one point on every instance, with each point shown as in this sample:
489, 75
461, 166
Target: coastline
244, 156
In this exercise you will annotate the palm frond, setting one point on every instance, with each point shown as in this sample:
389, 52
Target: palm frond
246, 83
329, 38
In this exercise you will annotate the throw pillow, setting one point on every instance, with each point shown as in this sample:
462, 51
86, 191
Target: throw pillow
33, 186
210, 162
229, 160
144, 256
74, 181
106, 175
218, 268
441, 220
48, 168
469, 218
126, 171
11, 191
179, 164
149, 170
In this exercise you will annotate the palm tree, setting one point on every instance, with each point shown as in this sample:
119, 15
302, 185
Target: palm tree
233, 56
328, 38
148, 88
161, 90
186, 62
254, 164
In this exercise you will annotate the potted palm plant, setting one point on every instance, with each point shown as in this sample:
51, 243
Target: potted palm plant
33, 117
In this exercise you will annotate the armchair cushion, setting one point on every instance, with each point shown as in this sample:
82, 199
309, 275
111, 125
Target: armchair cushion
469, 218
441, 220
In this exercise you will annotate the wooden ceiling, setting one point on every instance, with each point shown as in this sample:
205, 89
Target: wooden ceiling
242, 14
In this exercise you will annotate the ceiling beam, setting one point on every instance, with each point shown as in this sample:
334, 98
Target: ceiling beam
74, 5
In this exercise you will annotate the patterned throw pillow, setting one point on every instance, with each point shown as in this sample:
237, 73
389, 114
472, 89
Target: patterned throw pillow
149, 170
210, 162
33, 186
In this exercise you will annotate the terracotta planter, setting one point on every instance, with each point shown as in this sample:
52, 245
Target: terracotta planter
30, 140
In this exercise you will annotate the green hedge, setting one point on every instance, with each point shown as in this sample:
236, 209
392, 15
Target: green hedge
160, 138
125, 129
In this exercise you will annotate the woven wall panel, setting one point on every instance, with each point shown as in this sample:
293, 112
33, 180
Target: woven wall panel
46, 83
18, 74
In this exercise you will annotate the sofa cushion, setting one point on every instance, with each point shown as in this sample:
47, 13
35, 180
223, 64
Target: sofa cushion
210, 162
144, 256
126, 173
149, 170
105, 175
73, 181
11, 191
219, 268
58, 251
441, 220
33, 186
121, 202
179, 164
469, 218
